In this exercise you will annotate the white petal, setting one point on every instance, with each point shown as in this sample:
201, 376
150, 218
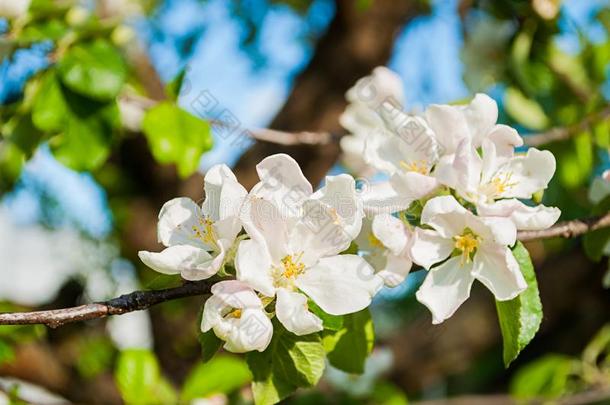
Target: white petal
383, 198
445, 288
382, 85
223, 194
445, 215
339, 194
502, 230
340, 284
291, 310
530, 173
265, 223
191, 261
236, 294
429, 247
177, 219
465, 170
412, 186
496, 267
505, 139
253, 266
481, 115
212, 313
449, 126
523, 216
252, 331
282, 182
391, 232
396, 270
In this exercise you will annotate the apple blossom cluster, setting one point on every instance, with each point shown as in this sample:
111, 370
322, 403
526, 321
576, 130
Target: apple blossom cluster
453, 194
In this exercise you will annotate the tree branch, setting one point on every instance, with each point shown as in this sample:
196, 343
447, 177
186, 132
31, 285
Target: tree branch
568, 229
135, 301
139, 300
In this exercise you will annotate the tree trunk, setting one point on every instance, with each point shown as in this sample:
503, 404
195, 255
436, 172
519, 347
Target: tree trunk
357, 41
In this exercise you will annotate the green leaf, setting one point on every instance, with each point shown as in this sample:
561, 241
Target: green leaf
139, 379
289, 362
175, 136
520, 317
349, 347
209, 345
25, 135
222, 375
330, 322
525, 111
49, 110
95, 69
545, 377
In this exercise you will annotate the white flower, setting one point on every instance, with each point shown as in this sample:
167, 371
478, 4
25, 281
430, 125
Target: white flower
408, 154
236, 315
501, 175
600, 188
386, 244
14, 8
453, 124
361, 117
296, 250
198, 239
484, 254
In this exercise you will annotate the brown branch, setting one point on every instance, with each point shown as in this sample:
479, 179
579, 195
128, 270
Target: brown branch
135, 301
139, 300
568, 229
563, 133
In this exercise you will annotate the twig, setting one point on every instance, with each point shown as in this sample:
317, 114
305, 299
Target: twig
562, 133
568, 229
135, 301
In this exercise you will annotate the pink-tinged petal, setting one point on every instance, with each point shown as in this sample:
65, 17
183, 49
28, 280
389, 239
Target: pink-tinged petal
292, 311
496, 267
524, 217
340, 284
445, 288
223, 194
191, 262
236, 294
429, 247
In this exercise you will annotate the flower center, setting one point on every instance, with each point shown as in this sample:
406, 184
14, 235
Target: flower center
467, 243
418, 166
499, 185
292, 266
374, 242
236, 313
205, 231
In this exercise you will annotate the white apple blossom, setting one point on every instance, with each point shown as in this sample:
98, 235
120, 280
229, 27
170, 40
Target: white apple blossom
600, 188
484, 254
289, 256
361, 117
237, 316
495, 181
198, 239
385, 243
14, 8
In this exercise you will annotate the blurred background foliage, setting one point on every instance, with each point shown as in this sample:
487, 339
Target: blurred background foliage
107, 110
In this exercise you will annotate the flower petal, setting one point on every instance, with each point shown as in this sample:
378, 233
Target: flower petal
396, 270
445, 288
496, 267
429, 247
251, 331
445, 215
236, 294
383, 198
481, 115
391, 232
212, 313
223, 194
381, 85
291, 310
340, 284
178, 220
523, 216
283, 183
265, 223
412, 186
530, 173
253, 266
192, 262
502, 230
505, 139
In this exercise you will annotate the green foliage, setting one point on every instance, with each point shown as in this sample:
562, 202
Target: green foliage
222, 375
520, 317
176, 136
93, 69
349, 346
289, 362
597, 243
526, 112
139, 379
95, 356
209, 345
546, 377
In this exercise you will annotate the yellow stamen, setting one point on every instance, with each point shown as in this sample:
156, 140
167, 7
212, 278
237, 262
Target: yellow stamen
292, 266
236, 313
205, 231
467, 243
415, 166
501, 185
374, 242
